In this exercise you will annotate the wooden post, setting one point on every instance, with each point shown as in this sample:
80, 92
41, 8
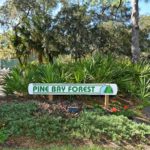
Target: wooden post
50, 97
106, 101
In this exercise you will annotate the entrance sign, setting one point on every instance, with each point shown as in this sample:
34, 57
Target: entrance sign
72, 89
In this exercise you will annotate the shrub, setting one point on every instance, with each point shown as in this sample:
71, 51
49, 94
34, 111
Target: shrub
17, 111
3, 136
131, 79
116, 128
49, 74
14, 82
23, 119
19, 78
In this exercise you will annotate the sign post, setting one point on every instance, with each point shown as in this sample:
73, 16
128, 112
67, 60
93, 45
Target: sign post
51, 89
106, 104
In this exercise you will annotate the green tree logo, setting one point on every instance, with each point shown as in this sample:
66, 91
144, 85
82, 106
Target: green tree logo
108, 90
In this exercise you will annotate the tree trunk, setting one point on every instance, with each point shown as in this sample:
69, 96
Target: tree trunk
135, 31
50, 58
40, 58
20, 61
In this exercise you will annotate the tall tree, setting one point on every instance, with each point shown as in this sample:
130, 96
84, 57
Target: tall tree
31, 23
135, 31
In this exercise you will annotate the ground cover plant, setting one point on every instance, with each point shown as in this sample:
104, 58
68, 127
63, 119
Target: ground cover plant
27, 119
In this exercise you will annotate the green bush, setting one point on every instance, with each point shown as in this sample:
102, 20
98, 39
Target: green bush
12, 113
19, 78
113, 127
24, 119
3, 136
17, 111
144, 87
49, 74
133, 80
14, 82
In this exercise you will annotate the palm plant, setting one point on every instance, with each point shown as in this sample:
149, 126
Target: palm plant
49, 74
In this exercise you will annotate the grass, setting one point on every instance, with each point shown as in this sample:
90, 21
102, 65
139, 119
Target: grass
66, 147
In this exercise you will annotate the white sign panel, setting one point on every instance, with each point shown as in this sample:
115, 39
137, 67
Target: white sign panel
72, 89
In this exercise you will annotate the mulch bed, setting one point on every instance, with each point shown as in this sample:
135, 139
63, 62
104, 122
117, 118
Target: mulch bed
61, 104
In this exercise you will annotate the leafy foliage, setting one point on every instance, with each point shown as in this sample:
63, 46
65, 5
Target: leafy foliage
6, 49
76, 29
16, 111
53, 28
131, 79
23, 119
115, 127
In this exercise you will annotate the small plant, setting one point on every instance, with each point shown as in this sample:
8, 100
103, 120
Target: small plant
49, 74
113, 127
3, 136
144, 90
119, 109
14, 82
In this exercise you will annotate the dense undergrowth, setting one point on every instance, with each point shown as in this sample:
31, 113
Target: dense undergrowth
25, 119
132, 80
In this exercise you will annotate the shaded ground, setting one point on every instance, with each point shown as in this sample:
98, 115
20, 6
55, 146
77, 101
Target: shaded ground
30, 143
146, 111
